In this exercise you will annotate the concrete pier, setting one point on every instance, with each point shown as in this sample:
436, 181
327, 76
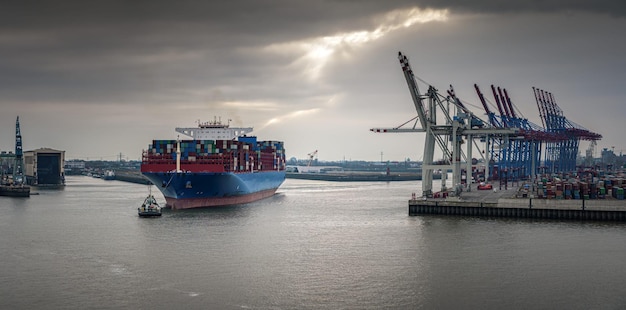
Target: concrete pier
502, 204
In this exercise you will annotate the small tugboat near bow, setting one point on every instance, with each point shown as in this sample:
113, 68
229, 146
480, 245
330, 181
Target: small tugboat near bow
150, 207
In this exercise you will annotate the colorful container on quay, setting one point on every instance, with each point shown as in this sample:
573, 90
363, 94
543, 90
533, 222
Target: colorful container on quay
219, 166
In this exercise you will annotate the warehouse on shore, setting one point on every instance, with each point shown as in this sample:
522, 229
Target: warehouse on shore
43, 167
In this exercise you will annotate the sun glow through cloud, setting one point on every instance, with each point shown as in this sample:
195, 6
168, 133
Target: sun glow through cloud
316, 52
291, 115
251, 105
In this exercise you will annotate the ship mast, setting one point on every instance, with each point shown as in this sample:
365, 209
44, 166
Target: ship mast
178, 156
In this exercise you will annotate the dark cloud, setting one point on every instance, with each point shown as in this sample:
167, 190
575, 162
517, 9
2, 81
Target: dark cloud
168, 59
610, 7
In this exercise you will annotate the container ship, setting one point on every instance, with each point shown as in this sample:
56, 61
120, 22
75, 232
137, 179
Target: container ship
219, 166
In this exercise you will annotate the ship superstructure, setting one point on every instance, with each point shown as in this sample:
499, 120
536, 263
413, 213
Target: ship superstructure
214, 130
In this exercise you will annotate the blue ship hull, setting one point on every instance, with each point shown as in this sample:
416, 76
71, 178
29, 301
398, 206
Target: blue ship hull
186, 190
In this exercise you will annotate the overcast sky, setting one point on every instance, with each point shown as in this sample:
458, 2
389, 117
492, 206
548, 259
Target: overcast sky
100, 78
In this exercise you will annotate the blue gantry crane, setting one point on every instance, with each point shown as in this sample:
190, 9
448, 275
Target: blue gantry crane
561, 152
518, 157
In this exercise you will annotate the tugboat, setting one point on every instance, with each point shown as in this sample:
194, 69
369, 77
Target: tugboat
149, 208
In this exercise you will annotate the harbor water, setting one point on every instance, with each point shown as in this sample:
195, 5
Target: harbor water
314, 245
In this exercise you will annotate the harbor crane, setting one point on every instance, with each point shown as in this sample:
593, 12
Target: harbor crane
311, 156
516, 158
458, 126
511, 141
18, 169
560, 154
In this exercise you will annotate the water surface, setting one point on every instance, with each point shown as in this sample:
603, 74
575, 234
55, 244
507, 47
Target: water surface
314, 245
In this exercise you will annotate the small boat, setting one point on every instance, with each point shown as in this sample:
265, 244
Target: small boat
150, 207
15, 190
109, 175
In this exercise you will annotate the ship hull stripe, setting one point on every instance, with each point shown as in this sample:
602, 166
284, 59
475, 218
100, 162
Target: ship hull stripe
189, 203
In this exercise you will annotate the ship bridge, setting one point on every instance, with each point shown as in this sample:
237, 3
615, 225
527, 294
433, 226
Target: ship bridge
214, 130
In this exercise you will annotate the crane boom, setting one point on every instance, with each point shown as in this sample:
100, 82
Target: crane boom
410, 80
482, 99
504, 104
540, 107
508, 101
490, 114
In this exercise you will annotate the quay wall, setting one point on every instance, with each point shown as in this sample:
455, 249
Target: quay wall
594, 210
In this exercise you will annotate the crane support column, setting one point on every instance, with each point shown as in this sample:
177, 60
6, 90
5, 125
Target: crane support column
456, 156
468, 171
487, 158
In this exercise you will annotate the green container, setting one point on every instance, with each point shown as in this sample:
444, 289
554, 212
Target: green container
602, 191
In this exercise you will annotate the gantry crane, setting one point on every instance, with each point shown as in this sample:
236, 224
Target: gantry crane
511, 139
560, 154
449, 135
516, 158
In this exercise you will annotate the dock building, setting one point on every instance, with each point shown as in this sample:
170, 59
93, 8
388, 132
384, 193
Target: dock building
44, 167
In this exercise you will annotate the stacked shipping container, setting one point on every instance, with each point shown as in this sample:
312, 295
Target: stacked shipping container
585, 188
243, 155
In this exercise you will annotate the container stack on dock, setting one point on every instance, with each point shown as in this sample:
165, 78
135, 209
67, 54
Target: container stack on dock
569, 187
618, 193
